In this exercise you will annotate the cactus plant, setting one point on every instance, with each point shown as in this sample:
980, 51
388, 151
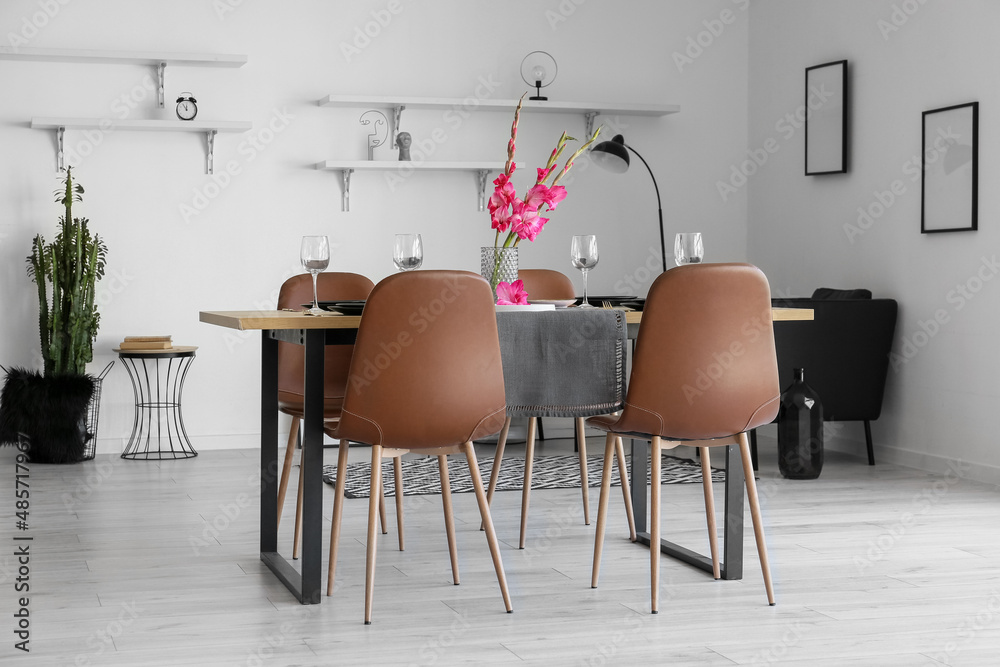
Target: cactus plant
67, 270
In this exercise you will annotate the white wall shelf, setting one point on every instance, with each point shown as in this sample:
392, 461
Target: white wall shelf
348, 167
590, 110
209, 127
156, 59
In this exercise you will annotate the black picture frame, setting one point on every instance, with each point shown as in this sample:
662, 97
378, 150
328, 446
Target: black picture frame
949, 174
826, 109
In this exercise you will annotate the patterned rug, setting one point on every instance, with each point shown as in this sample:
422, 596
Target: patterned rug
420, 476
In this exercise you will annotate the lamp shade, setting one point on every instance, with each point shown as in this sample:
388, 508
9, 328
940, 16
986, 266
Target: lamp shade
611, 155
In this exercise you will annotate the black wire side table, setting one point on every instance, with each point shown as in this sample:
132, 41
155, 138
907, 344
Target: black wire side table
158, 428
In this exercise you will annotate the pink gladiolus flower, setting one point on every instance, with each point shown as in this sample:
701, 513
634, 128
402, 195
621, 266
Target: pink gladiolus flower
543, 173
500, 219
527, 224
511, 294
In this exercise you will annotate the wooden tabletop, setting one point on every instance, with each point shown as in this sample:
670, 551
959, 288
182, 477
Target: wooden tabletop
248, 320
169, 350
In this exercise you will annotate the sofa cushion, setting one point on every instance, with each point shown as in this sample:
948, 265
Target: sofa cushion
831, 293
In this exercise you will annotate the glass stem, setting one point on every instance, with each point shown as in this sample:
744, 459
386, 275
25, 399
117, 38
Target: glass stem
586, 301
315, 294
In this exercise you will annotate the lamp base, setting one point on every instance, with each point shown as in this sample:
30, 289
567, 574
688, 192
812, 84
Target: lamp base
539, 98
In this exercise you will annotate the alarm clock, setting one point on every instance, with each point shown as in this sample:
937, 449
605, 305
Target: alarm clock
187, 106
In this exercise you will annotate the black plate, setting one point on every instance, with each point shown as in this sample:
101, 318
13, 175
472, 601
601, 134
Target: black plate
343, 307
615, 300
634, 304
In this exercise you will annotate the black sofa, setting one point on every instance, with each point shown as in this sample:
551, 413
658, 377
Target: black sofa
844, 351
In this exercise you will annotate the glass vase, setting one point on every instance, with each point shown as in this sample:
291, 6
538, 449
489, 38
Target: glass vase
498, 265
800, 430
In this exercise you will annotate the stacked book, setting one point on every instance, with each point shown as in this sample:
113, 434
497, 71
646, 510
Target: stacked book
146, 343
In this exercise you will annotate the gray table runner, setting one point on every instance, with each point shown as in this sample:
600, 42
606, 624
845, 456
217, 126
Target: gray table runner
563, 363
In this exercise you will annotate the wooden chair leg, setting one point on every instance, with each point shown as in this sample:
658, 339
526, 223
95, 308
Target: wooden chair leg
484, 510
293, 438
529, 457
449, 516
758, 528
497, 460
297, 536
397, 472
374, 493
338, 511
654, 525
706, 483
602, 508
381, 501
581, 443
626, 490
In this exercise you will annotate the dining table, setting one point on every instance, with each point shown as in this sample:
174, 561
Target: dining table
315, 332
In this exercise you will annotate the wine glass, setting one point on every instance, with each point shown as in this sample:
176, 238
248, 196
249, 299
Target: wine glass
688, 248
315, 255
408, 252
583, 252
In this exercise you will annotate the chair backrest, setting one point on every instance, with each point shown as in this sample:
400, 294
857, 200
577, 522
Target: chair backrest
295, 292
426, 370
844, 351
546, 284
704, 364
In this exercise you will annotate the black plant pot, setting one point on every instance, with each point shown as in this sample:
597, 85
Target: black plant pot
800, 431
51, 412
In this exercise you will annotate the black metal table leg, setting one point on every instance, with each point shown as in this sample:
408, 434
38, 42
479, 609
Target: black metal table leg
307, 584
732, 545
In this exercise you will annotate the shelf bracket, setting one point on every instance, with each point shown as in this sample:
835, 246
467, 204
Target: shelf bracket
482, 175
397, 118
590, 116
161, 71
210, 163
60, 153
346, 201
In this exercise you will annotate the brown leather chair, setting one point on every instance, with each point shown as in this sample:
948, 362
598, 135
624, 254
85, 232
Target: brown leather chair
426, 376
294, 292
700, 321
554, 285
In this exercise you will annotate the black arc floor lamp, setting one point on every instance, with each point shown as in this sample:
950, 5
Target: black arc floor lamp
613, 156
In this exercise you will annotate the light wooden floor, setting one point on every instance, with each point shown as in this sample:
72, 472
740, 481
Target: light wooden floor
155, 563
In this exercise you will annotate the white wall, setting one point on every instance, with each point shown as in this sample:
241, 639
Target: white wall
905, 57
164, 267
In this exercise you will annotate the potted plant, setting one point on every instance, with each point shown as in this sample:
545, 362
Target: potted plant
51, 408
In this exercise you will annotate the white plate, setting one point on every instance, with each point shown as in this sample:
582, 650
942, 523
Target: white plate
537, 307
558, 303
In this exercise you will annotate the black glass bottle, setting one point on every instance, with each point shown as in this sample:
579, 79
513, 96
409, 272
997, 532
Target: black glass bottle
800, 430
